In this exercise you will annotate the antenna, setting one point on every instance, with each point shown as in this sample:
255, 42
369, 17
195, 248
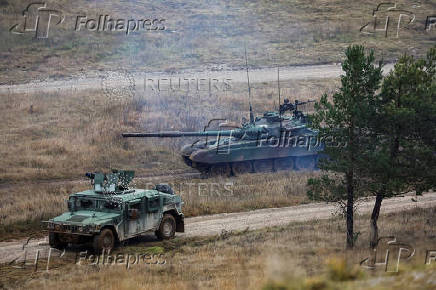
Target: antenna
278, 82
249, 90
278, 85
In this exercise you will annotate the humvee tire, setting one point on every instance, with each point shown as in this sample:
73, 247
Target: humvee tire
54, 242
105, 240
167, 228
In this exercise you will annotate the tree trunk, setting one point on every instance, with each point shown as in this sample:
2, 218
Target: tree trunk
373, 235
350, 209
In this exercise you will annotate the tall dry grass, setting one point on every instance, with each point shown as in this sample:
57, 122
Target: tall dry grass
204, 34
287, 257
22, 207
62, 135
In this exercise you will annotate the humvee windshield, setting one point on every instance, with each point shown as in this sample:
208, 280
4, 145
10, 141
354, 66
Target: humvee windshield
83, 203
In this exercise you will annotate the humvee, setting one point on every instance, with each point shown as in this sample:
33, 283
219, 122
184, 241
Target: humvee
111, 213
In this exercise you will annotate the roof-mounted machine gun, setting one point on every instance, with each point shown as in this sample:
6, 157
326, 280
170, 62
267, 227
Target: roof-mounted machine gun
287, 106
116, 181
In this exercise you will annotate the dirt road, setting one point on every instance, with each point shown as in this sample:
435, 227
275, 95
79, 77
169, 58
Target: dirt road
215, 224
139, 79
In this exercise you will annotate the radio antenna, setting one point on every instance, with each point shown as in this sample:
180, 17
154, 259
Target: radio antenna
278, 85
278, 82
249, 89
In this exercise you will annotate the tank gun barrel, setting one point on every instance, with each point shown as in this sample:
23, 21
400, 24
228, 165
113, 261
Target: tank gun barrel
176, 134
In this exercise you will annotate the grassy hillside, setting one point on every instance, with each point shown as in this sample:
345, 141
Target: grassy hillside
204, 34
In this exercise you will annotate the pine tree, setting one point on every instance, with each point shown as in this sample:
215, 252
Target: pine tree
403, 158
344, 126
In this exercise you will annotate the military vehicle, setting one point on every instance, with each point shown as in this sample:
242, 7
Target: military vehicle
112, 212
274, 141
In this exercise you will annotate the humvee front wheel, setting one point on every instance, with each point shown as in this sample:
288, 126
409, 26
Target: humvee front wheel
105, 240
167, 228
54, 242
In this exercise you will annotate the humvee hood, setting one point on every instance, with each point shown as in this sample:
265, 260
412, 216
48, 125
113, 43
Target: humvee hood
85, 217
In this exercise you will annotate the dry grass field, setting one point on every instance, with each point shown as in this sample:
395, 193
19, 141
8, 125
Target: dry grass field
206, 34
23, 207
49, 140
61, 136
306, 255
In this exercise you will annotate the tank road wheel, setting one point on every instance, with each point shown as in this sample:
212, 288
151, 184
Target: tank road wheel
220, 170
241, 167
305, 163
167, 228
54, 242
203, 169
265, 165
284, 163
105, 240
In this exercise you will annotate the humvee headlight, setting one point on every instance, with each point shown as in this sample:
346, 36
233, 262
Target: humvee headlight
80, 229
94, 228
57, 227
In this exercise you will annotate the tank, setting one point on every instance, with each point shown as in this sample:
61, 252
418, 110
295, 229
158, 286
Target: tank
277, 140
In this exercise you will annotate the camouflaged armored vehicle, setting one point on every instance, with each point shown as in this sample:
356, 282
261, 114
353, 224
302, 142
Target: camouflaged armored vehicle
274, 141
112, 212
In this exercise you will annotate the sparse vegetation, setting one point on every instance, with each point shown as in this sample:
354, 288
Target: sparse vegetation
204, 34
60, 137
54, 136
49, 140
23, 207
307, 255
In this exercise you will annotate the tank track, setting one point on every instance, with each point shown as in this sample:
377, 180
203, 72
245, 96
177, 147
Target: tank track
305, 163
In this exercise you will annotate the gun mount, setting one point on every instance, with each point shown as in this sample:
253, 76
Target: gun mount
287, 106
117, 181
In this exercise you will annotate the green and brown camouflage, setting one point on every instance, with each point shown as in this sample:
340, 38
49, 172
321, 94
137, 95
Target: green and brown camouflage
117, 212
274, 141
